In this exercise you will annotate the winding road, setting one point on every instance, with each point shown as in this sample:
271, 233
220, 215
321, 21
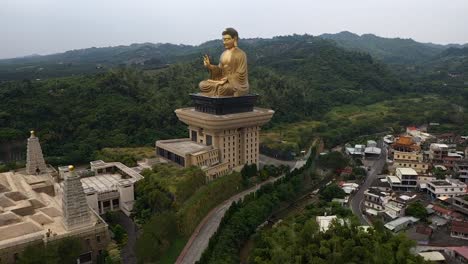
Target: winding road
198, 242
376, 167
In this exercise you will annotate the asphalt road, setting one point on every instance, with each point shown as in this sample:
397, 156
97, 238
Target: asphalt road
198, 242
127, 253
376, 168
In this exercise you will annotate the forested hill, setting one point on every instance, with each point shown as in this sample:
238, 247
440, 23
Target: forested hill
155, 56
301, 77
389, 50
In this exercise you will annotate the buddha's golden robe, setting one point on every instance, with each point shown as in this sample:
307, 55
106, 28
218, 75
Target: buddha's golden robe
233, 67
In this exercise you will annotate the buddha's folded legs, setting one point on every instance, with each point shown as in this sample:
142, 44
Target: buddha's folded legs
225, 90
214, 88
208, 87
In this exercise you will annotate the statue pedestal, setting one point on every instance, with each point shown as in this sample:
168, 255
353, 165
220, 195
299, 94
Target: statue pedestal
224, 105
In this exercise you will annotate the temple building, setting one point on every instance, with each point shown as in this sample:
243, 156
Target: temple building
35, 163
223, 134
109, 186
32, 215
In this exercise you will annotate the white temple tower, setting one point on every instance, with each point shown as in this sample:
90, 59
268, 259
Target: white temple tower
74, 205
35, 163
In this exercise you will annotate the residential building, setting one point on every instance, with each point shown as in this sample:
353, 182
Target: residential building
412, 160
394, 208
401, 223
417, 134
324, 222
405, 179
461, 169
420, 233
381, 184
388, 139
443, 212
446, 188
459, 253
459, 229
460, 203
374, 199
357, 151
442, 155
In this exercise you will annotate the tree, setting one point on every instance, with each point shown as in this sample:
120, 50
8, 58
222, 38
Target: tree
417, 210
333, 160
332, 191
157, 236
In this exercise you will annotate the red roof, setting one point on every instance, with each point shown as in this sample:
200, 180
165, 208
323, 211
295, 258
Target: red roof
463, 251
460, 227
425, 230
441, 210
411, 128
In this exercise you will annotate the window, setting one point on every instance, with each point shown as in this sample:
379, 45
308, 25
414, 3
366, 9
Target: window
98, 239
85, 258
194, 136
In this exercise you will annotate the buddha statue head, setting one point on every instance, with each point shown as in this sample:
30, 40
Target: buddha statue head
230, 38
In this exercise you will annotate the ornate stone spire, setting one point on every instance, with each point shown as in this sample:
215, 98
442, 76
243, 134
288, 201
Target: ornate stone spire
35, 163
74, 205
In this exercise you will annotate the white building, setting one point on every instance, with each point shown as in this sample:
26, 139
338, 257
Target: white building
109, 186
358, 150
374, 200
324, 222
401, 223
405, 179
446, 188
394, 208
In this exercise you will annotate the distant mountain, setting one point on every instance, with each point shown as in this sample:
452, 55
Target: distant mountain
301, 77
389, 50
394, 51
90, 60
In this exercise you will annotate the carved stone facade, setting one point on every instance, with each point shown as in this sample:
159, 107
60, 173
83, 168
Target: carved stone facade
35, 163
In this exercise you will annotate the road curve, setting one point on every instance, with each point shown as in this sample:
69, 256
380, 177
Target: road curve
198, 242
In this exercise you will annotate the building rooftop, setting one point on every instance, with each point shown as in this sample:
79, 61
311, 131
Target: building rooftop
393, 179
404, 140
432, 256
376, 192
373, 150
407, 171
325, 221
448, 183
463, 251
438, 146
395, 223
104, 182
182, 146
27, 215
460, 227
380, 182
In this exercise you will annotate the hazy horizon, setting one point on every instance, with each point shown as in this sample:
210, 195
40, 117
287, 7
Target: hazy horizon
53, 26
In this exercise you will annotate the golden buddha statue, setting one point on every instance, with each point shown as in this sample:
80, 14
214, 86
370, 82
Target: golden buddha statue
229, 78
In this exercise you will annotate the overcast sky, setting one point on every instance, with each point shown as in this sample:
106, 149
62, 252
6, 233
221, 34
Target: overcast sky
50, 26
